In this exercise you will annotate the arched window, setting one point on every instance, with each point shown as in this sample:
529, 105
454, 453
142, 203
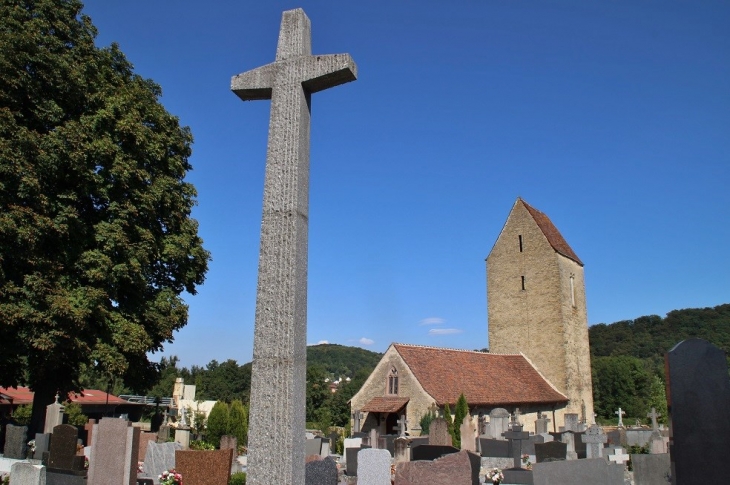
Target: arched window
393, 381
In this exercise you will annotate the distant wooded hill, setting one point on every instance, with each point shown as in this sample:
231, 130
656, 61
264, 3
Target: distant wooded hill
340, 360
650, 337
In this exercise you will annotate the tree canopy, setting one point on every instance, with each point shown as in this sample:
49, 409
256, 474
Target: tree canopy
97, 242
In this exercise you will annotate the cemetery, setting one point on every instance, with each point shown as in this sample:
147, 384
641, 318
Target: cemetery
524, 412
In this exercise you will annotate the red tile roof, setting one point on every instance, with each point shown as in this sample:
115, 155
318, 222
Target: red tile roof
556, 240
385, 404
23, 395
485, 379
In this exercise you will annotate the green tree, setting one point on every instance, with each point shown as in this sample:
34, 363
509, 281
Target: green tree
460, 412
238, 419
621, 382
425, 422
96, 239
317, 392
218, 423
22, 414
74, 415
658, 399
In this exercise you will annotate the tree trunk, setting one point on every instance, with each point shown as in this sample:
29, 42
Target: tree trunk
44, 394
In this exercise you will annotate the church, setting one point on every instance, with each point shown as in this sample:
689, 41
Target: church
539, 358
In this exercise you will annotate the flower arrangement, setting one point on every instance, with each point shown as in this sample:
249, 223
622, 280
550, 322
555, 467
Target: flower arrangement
526, 462
86, 462
31, 449
495, 475
171, 477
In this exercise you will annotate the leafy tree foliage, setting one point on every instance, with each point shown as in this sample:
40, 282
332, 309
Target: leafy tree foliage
317, 394
96, 238
238, 422
460, 412
74, 415
218, 423
425, 422
449, 422
342, 361
621, 382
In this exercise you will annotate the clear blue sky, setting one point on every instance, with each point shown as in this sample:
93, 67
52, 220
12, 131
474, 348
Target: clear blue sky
611, 117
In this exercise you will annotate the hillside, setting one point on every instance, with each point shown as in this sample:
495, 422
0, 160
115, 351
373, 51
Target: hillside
650, 337
340, 360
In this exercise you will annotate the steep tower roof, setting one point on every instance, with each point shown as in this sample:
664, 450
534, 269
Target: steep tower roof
556, 240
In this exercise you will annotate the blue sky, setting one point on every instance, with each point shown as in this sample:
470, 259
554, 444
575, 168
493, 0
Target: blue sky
613, 118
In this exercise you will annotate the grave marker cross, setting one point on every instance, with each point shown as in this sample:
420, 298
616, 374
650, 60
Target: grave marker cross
516, 435
401, 428
276, 437
653, 415
620, 414
619, 456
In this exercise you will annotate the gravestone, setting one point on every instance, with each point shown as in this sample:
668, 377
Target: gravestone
658, 443
698, 396
495, 448
16, 442
431, 452
373, 438
313, 447
401, 452
541, 424
356, 417
654, 415
159, 457
114, 452
54, 416
334, 438
42, 444
24, 473
351, 459
229, 442
498, 422
516, 437
89, 428
62, 455
204, 467
571, 422
618, 456
596, 471
163, 435
580, 447
620, 413
651, 469
373, 467
321, 472
182, 436
144, 438
277, 412
456, 468
438, 433
468, 434
594, 438
550, 451
638, 437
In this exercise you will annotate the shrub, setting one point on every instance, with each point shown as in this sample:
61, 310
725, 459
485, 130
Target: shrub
238, 478
74, 414
21, 415
238, 419
201, 445
218, 423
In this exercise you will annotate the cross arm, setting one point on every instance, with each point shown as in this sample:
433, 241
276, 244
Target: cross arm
254, 84
322, 72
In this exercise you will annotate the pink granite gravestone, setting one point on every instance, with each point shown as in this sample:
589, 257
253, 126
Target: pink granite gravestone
114, 453
204, 467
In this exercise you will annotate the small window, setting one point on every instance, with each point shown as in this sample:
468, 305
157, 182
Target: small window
523, 282
572, 290
520, 240
393, 381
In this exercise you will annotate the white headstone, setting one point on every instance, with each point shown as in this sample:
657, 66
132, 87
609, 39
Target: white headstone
373, 467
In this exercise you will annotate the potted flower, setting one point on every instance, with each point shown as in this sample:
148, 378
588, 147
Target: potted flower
495, 475
171, 477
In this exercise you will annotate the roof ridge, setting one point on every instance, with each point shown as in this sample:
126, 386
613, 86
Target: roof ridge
439, 348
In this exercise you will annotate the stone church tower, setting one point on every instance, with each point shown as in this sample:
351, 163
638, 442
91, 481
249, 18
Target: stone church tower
537, 305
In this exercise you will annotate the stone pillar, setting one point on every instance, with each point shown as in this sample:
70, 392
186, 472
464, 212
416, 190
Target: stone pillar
402, 452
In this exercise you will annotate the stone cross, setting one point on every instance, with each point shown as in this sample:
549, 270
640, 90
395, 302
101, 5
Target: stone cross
594, 438
653, 415
620, 414
401, 428
516, 435
516, 417
277, 415
357, 416
619, 456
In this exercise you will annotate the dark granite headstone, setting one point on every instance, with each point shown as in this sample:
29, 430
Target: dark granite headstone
580, 447
652, 469
495, 448
550, 451
334, 437
42, 444
351, 457
321, 472
62, 456
596, 471
528, 445
387, 442
697, 398
16, 442
431, 452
